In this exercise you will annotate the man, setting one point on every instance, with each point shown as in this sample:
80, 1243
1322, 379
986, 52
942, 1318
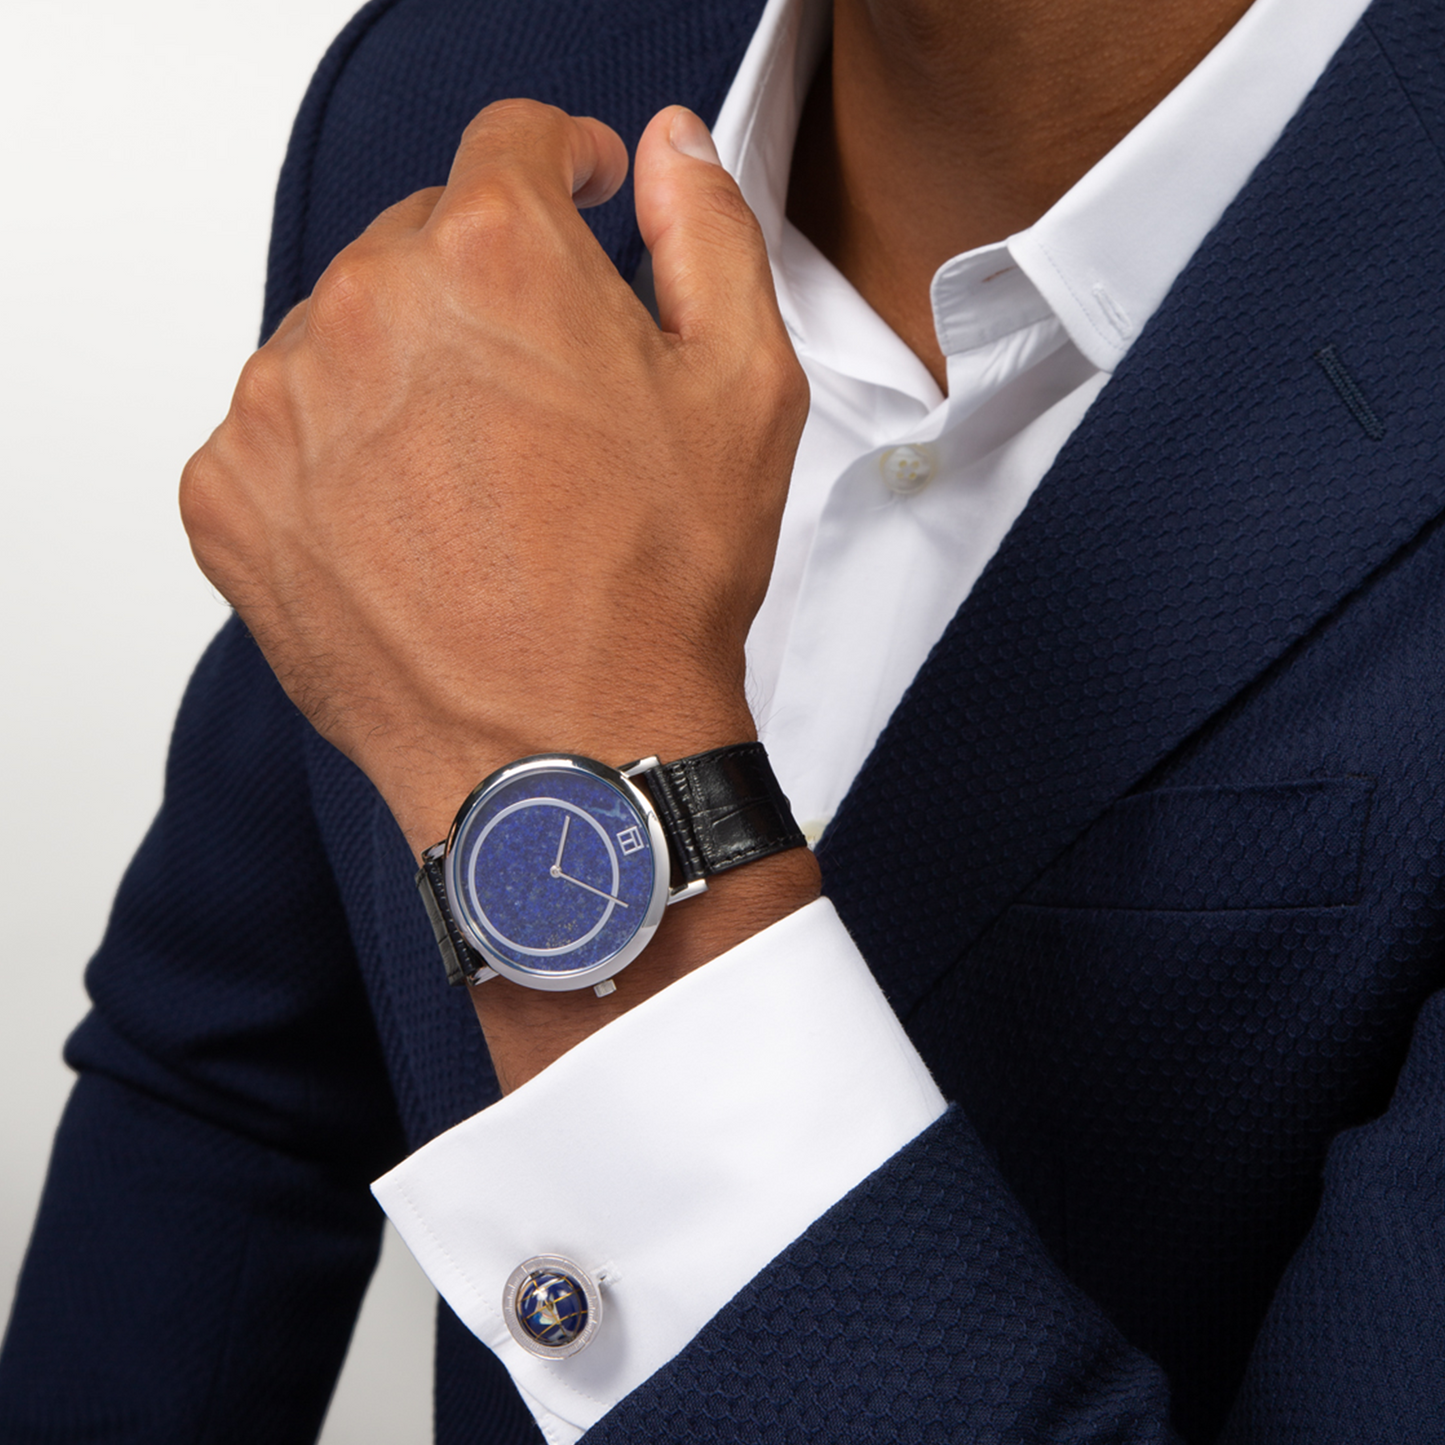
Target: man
1147, 857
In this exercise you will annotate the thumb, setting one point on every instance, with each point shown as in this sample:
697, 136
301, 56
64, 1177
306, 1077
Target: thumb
709, 265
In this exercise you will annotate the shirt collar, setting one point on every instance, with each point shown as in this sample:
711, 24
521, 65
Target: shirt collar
1107, 253
1103, 258
758, 123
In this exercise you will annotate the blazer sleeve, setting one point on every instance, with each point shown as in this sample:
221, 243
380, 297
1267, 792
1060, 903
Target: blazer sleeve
924, 1306
206, 1232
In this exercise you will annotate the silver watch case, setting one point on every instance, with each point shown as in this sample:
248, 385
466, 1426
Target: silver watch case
662, 892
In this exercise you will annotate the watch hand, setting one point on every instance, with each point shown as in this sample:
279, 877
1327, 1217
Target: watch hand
557, 865
558, 873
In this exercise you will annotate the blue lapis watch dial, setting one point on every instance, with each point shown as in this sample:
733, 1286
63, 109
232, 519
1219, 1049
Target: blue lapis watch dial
557, 871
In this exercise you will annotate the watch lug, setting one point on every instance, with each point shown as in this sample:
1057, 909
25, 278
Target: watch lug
642, 765
688, 890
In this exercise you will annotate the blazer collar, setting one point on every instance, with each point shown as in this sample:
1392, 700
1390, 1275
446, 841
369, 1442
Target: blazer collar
1220, 499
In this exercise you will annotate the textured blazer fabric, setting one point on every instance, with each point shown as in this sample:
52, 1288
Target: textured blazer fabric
1150, 860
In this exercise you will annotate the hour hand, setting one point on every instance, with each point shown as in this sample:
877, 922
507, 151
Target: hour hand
556, 869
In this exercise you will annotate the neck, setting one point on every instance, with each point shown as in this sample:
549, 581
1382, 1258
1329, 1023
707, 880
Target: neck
941, 125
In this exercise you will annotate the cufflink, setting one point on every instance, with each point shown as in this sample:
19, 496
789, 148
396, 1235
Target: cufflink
552, 1306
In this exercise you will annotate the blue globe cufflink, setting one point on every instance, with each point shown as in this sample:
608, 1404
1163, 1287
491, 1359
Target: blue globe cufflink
552, 1306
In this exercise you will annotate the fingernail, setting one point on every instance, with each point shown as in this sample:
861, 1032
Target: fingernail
690, 136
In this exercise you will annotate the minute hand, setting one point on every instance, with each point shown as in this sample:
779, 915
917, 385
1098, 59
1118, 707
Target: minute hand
558, 873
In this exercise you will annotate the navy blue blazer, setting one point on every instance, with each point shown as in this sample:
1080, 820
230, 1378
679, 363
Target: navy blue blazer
1150, 860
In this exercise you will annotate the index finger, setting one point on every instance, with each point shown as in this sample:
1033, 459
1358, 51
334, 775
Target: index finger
522, 142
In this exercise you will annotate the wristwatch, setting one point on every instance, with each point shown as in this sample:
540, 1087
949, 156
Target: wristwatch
558, 868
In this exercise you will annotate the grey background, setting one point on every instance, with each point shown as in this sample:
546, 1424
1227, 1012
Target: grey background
140, 153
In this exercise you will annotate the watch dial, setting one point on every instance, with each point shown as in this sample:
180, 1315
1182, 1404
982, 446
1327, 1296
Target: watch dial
556, 869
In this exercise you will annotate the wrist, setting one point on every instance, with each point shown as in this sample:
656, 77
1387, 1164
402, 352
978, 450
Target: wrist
550, 895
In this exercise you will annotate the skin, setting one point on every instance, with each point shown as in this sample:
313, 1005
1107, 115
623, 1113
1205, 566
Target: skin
473, 504
936, 126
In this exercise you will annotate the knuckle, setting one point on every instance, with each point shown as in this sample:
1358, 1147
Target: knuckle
201, 503
493, 218
347, 302
260, 391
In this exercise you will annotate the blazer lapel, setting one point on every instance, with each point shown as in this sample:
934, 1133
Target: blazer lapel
1228, 490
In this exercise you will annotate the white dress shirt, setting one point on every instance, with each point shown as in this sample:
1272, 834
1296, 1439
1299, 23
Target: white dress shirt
679, 1149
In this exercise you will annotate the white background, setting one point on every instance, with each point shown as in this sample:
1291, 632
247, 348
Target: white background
141, 143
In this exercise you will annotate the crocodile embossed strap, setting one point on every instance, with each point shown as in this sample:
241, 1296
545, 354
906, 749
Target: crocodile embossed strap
463, 963
721, 809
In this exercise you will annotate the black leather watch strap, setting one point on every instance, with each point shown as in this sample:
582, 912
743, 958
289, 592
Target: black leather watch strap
463, 963
721, 809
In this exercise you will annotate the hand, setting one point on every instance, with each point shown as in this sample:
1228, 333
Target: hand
473, 504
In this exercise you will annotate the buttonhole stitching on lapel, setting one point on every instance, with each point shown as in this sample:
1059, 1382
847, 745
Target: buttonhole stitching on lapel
1350, 392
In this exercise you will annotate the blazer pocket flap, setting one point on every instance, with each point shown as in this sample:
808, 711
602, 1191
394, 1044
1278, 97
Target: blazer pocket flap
1274, 845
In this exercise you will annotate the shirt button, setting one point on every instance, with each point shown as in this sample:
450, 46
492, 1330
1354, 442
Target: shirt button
907, 470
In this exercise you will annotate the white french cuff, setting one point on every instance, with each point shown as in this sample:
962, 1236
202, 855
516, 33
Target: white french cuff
671, 1155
